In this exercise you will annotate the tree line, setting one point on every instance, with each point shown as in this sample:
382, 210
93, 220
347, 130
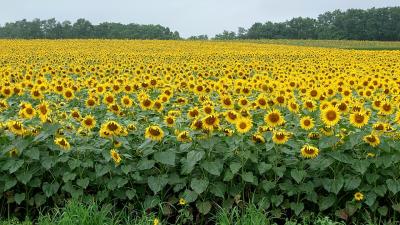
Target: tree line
82, 28
354, 24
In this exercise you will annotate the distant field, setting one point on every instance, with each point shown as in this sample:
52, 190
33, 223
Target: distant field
345, 44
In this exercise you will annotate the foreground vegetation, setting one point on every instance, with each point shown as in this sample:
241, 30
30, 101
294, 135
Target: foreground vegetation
92, 214
181, 128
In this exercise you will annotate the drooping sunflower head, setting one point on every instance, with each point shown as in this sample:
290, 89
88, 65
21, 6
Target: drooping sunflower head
115, 156
308, 151
154, 133
62, 143
280, 137
183, 136
210, 122
372, 140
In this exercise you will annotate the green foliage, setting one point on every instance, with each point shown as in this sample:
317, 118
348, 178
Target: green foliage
353, 24
51, 29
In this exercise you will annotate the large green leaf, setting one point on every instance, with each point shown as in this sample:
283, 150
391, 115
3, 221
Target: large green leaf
199, 185
214, 167
190, 161
156, 184
298, 175
204, 207
167, 157
50, 189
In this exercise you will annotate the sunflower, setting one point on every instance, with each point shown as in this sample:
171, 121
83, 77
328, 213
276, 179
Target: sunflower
169, 121
307, 123
386, 108
111, 128
293, 106
91, 102
69, 94
88, 122
257, 138
146, 104
372, 140
154, 133
44, 111
280, 137
126, 101
108, 98
183, 137
63, 143
182, 201
309, 105
243, 125
262, 101
210, 122
227, 102
228, 132
274, 118
359, 119
330, 116
308, 151
115, 156
231, 116
28, 112
314, 135
193, 112
358, 196
13, 152
16, 127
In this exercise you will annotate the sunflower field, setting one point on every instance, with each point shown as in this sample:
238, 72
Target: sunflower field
184, 127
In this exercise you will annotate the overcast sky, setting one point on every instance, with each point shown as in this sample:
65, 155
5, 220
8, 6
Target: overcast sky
189, 17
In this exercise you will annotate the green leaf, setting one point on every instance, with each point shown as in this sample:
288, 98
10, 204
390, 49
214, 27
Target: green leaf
16, 165
360, 166
145, 164
370, 198
279, 171
47, 162
68, 176
297, 207
380, 190
75, 163
298, 175
214, 168
189, 196
352, 183
190, 161
50, 189
235, 167
328, 142
326, 202
383, 210
151, 201
218, 189
101, 170
204, 207
19, 198
156, 184
83, 183
167, 157
199, 185
130, 194
39, 199
268, 185
249, 177
32, 153
393, 185
276, 200
263, 167
9, 183
396, 207
24, 176
46, 131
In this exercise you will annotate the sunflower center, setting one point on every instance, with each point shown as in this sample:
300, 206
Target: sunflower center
154, 132
331, 115
273, 117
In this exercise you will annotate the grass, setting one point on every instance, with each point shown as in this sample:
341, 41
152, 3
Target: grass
92, 214
343, 44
